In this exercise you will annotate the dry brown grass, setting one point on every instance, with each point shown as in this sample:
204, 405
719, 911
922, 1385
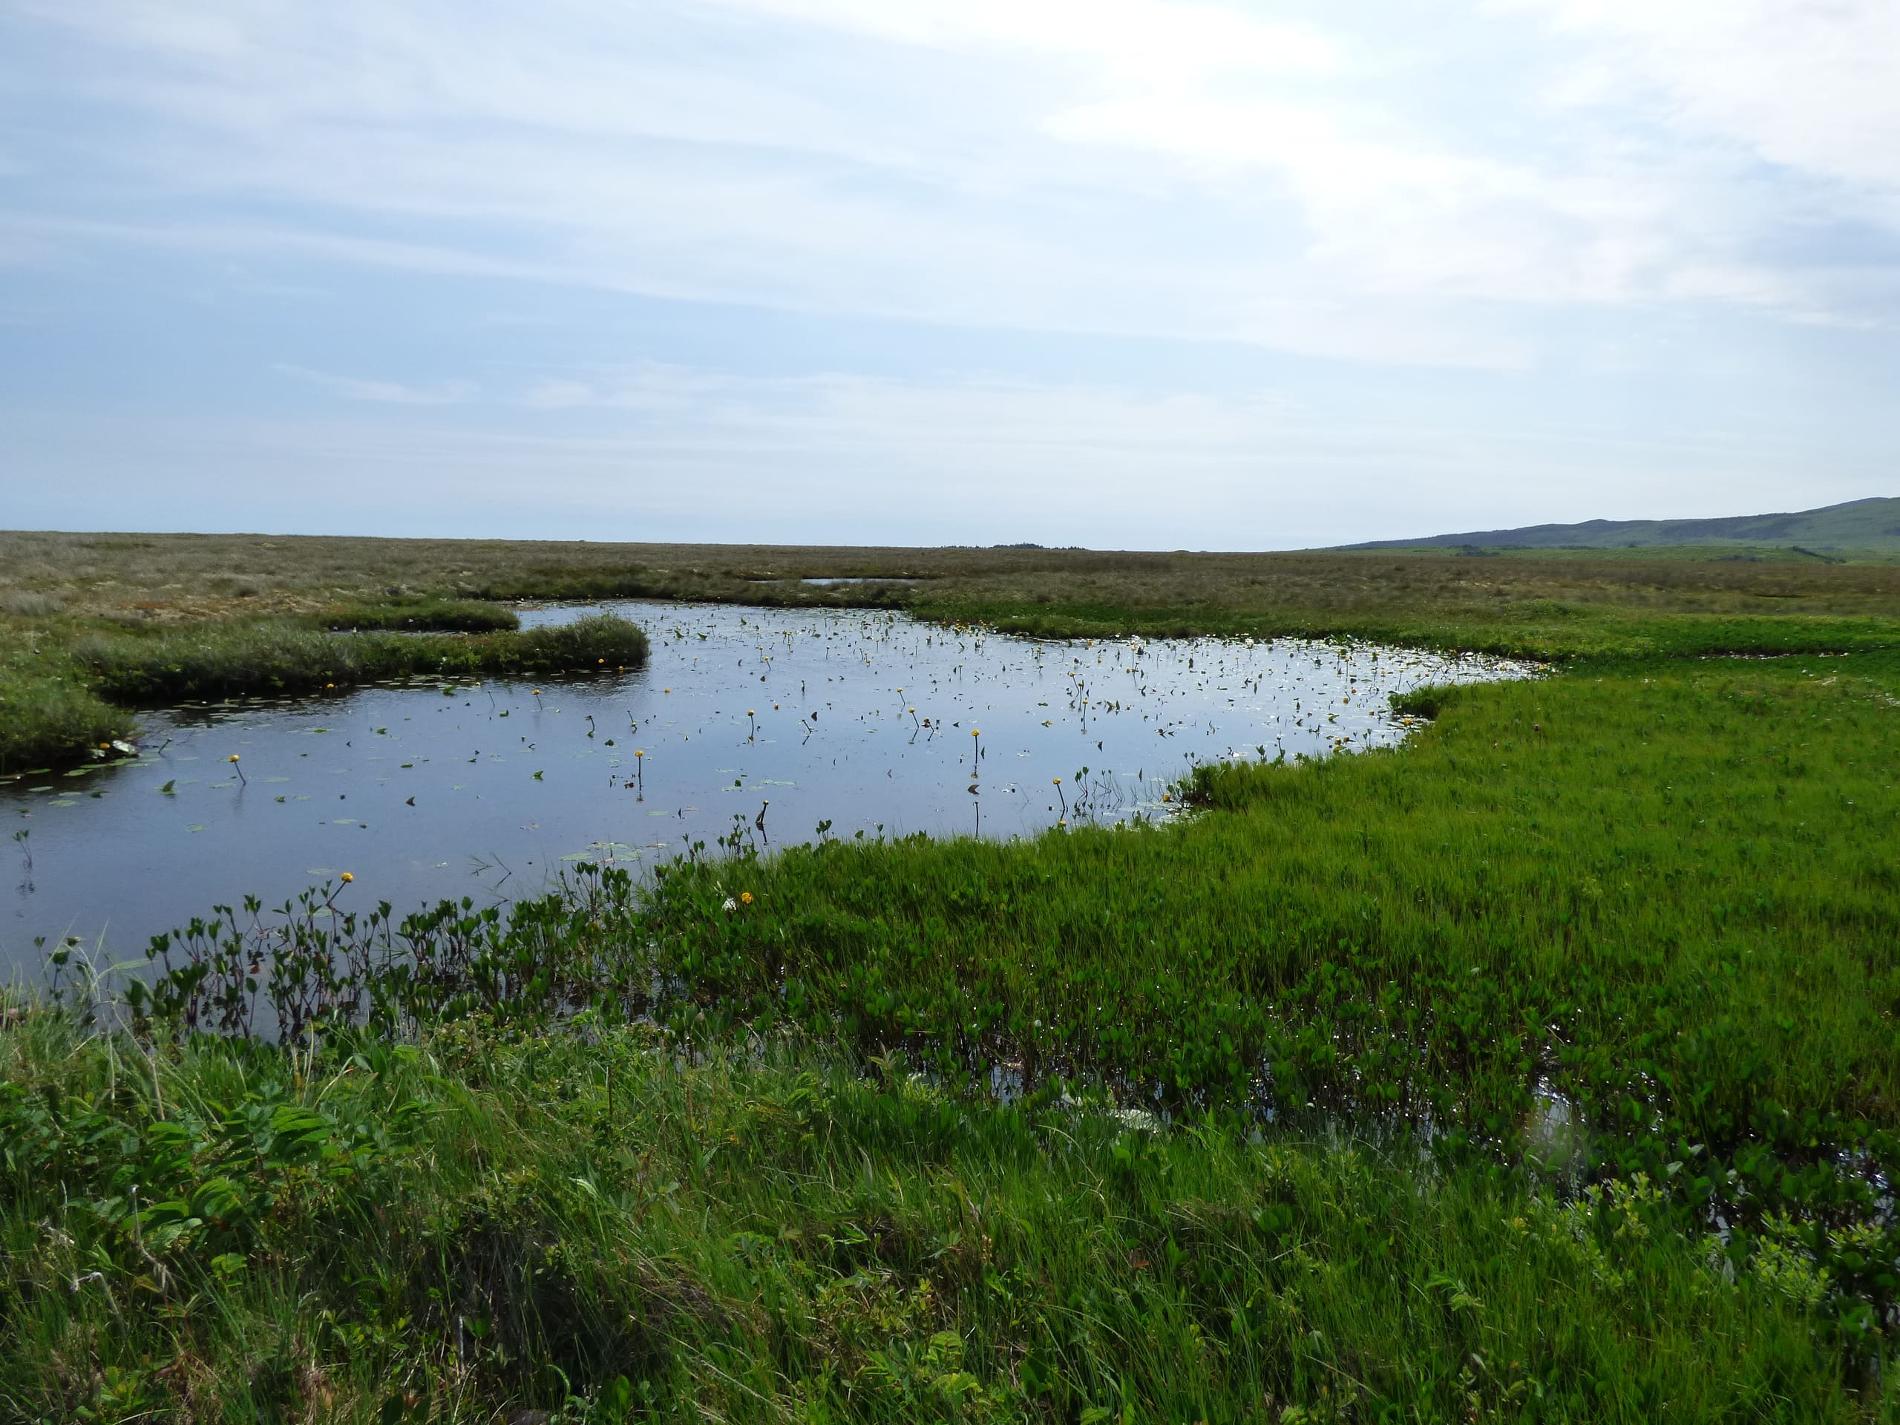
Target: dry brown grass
184, 577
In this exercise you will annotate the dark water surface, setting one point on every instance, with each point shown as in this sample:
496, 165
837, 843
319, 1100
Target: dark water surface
859, 718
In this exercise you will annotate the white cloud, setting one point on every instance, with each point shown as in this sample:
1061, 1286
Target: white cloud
387, 393
1137, 167
1146, 40
1652, 234
1808, 84
1388, 214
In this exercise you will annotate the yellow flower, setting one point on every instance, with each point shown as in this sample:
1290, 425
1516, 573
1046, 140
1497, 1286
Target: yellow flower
639, 752
232, 758
745, 897
347, 878
1056, 780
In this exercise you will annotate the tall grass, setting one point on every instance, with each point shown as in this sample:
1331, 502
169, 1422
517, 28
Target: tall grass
1575, 901
420, 614
1542, 1068
58, 688
46, 718
47, 710
485, 1224
220, 660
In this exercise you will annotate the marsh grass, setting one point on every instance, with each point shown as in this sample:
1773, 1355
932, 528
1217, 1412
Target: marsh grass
47, 710
1545, 603
47, 718
1539, 604
58, 687
483, 1224
214, 661
1334, 1005
30, 604
1582, 890
421, 614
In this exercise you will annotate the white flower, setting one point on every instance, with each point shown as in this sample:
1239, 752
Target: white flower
730, 906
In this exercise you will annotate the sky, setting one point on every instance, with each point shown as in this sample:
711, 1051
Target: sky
1123, 273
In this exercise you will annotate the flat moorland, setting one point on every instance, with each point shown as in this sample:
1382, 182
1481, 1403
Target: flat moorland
1545, 602
1544, 1067
117, 594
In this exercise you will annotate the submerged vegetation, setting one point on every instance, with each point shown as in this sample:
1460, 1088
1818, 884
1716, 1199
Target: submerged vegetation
1543, 1068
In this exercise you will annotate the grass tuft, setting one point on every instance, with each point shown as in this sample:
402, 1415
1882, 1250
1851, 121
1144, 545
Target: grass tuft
483, 1226
420, 614
224, 660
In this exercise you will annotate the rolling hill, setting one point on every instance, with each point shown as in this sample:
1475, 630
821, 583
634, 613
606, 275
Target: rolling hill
1858, 526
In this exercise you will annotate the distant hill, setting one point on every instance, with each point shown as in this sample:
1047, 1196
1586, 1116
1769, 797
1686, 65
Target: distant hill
1859, 526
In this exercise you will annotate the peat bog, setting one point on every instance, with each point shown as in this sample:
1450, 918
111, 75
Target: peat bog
789, 725
1540, 1066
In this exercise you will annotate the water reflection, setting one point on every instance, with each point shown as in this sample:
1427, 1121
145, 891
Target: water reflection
775, 725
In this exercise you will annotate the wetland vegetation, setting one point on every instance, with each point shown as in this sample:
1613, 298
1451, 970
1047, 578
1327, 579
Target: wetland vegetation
787, 723
1543, 1067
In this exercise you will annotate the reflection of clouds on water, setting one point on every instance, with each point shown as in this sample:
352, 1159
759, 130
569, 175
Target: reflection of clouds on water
755, 724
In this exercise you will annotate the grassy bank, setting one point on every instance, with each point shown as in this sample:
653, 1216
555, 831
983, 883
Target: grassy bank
420, 614
212, 661
1586, 885
1624, 920
487, 1224
66, 688
48, 710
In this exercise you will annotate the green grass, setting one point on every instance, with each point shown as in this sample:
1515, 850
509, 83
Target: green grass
485, 1224
419, 614
1545, 629
213, 661
47, 710
58, 687
1656, 886
1670, 896
1859, 528
1661, 894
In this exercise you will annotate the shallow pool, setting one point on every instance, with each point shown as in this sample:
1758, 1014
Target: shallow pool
779, 725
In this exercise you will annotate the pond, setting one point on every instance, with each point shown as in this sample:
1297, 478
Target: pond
778, 724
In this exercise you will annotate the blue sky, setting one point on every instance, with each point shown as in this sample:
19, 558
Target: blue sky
1110, 272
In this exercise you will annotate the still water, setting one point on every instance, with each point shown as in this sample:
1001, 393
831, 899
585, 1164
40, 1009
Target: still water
768, 722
